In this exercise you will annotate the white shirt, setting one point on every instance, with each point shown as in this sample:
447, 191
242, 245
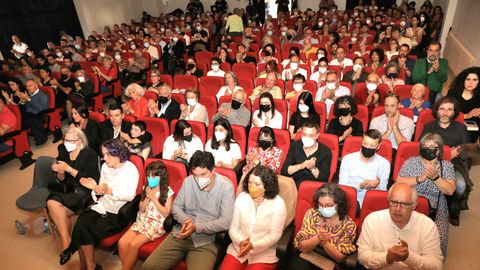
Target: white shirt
221, 92
275, 122
379, 233
221, 154
315, 75
354, 170
163, 107
287, 74
263, 225
405, 124
123, 181
346, 62
20, 48
190, 148
339, 92
219, 73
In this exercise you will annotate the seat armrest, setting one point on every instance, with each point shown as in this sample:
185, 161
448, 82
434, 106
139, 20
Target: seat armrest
128, 211
222, 238
351, 262
284, 243
168, 223
9, 135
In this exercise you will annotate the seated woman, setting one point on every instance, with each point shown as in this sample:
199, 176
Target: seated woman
266, 115
224, 149
259, 217
320, 76
155, 205
137, 105
81, 93
181, 145
192, 68
434, 178
108, 72
75, 160
155, 81
390, 78
266, 153
118, 184
12, 93
376, 55
193, 110
416, 101
393, 49
80, 119
305, 110
269, 66
134, 145
267, 54
215, 68
344, 124
231, 85
326, 230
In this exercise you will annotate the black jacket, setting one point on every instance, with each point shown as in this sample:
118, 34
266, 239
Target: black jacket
172, 111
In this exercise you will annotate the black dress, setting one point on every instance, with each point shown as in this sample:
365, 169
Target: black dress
467, 106
297, 120
336, 128
87, 166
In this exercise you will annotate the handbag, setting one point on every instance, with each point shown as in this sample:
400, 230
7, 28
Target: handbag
432, 212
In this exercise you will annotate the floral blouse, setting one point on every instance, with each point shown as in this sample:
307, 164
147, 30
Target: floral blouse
271, 159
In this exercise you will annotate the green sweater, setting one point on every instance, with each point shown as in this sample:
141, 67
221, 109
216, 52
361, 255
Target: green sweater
435, 79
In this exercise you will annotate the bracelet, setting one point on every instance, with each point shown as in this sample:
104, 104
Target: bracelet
435, 179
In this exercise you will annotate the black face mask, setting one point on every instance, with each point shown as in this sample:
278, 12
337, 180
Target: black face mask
268, 53
64, 76
264, 144
368, 152
428, 154
265, 108
344, 111
163, 99
289, 36
392, 75
188, 138
190, 66
236, 104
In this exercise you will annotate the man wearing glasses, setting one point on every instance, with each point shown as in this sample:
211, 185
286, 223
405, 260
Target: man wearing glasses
399, 237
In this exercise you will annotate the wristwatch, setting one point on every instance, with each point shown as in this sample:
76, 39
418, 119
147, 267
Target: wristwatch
435, 179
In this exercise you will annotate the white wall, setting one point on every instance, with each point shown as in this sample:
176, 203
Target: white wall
465, 23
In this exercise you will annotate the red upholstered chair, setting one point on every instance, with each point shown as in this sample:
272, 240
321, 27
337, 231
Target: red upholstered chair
210, 104
245, 70
230, 174
354, 144
225, 66
362, 115
425, 117
282, 141
361, 93
228, 99
53, 122
150, 95
111, 240
280, 83
96, 116
158, 127
203, 57
407, 150
129, 118
403, 111
239, 135
376, 200
185, 81
167, 79
280, 106
247, 84
209, 85
198, 128
179, 98
405, 91
319, 108
176, 174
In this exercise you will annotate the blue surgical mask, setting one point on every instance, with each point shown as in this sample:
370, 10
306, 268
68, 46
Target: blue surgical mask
327, 212
153, 181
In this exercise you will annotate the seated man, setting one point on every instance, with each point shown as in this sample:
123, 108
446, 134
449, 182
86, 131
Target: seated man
8, 123
68, 63
166, 107
357, 74
242, 56
294, 69
235, 112
399, 237
371, 97
269, 86
298, 84
33, 103
331, 91
203, 207
308, 159
63, 87
340, 59
365, 169
394, 127
27, 74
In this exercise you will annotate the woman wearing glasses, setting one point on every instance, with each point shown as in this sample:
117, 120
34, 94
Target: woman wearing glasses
434, 179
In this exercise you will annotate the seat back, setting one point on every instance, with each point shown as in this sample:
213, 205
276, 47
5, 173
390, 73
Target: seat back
282, 141
150, 95
247, 84
246, 70
405, 91
210, 103
18, 115
354, 144
198, 128
331, 141
138, 162
209, 85
176, 172
230, 174
51, 95
159, 129
96, 116
320, 108
425, 117
185, 81
239, 135
167, 79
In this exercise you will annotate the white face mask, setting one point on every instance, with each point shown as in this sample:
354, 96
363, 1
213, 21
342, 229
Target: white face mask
177, 29
331, 85
327, 212
220, 136
371, 87
203, 182
77, 46
191, 101
269, 33
303, 108
118, 56
102, 54
320, 55
325, 13
70, 146
357, 67
320, 24
293, 66
59, 54
81, 79
322, 70
175, 39
403, 23
297, 86
215, 68
146, 44
353, 39
284, 33
307, 142
368, 21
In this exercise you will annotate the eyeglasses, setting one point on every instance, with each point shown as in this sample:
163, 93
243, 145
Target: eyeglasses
71, 141
393, 203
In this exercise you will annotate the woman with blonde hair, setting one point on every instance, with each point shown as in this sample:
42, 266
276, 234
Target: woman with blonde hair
137, 105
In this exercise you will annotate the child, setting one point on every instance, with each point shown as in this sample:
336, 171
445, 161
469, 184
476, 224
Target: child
154, 208
134, 145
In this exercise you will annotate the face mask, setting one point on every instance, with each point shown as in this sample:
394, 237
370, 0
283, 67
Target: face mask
269, 33
215, 68
190, 66
350, 22
371, 87
320, 24
220, 136
198, 28
77, 46
163, 99
70, 146
293, 66
175, 39
403, 23
297, 87
153, 181
422, 19
283, 33
357, 67
355, 14
162, 29
146, 44
177, 29
331, 85
353, 39
64, 76
188, 138
368, 21
368, 152
322, 70
392, 75
236, 104
264, 144
30, 54
255, 192
344, 111
81, 79
265, 108
203, 182
327, 212
118, 56
59, 54
268, 53
307, 142
191, 101
303, 108
320, 55
428, 154
325, 13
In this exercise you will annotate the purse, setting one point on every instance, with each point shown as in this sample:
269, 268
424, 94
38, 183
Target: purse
432, 212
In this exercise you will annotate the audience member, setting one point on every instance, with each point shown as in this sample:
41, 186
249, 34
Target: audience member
230, 87
135, 145
267, 115
166, 107
305, 111
345, 124
32, 103
181, 145
223, 147
416, 101
235, 112
193, 110
332, 90
269, 87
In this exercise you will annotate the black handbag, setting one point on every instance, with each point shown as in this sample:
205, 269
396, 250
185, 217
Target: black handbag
432, 212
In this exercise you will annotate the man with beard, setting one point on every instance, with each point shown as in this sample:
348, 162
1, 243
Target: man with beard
405, 62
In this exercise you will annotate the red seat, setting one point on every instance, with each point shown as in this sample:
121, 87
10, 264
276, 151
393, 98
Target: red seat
239, 135
210, 103
403, 111
225, 66
245, 70
282, 141
185, 81
425, 117
129, 118
320, 108
198, 128
354, 144
305, 201
179, 98
209, 85
167, 79
203, 57
150, 95
158, 127
246, 84
407, 150
230, 174
54, 123
405, 91
361, 93
309, 85
376, 200
280, 106
362, 115
96, 116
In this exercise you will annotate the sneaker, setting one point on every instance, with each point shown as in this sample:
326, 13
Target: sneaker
20, 227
